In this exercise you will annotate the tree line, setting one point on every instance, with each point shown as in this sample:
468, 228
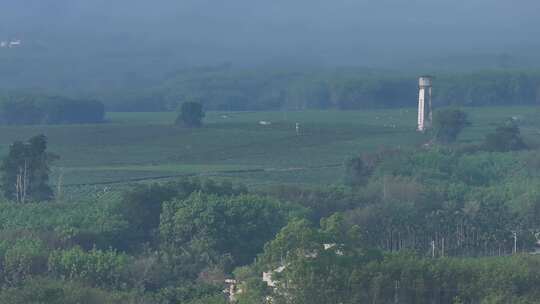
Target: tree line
32, 110
227, 89
232, 89
328, 264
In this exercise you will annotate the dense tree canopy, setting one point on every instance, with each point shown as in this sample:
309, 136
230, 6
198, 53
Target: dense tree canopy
238, 226
31, 110
225, 88
142, 206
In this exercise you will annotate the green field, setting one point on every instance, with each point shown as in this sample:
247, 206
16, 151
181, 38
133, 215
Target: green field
143, 146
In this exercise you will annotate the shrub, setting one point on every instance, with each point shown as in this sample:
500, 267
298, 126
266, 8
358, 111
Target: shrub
47, 291
22, 259
103, 268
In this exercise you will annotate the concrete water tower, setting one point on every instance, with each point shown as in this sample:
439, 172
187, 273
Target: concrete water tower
425, 109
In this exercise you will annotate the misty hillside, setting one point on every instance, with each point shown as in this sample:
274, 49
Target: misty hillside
82, 46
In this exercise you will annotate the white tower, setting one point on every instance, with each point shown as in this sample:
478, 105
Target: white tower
425, 110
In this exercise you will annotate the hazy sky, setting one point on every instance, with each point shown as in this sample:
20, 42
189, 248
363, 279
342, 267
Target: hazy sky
247, 32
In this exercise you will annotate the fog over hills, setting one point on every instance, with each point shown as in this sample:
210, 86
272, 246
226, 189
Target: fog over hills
118, 43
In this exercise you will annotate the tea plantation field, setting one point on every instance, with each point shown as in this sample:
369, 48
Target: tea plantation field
147, 146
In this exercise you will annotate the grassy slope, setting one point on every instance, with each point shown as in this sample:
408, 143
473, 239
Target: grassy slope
138, 145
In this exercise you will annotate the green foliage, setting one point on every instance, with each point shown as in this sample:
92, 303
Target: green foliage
47, 291
316, 280
21, 260
318, 202
183, 239
448, 124
298, 235
26, 171
482, 168
191, 115
86, 223
145, 145
141, 206
100, 268
335, 230
507, 137
313, 273
29, 110
357, 172
227, 89
315, 265
418, 196
191, 293
219, 299
442, 165
238, 226
22, 112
